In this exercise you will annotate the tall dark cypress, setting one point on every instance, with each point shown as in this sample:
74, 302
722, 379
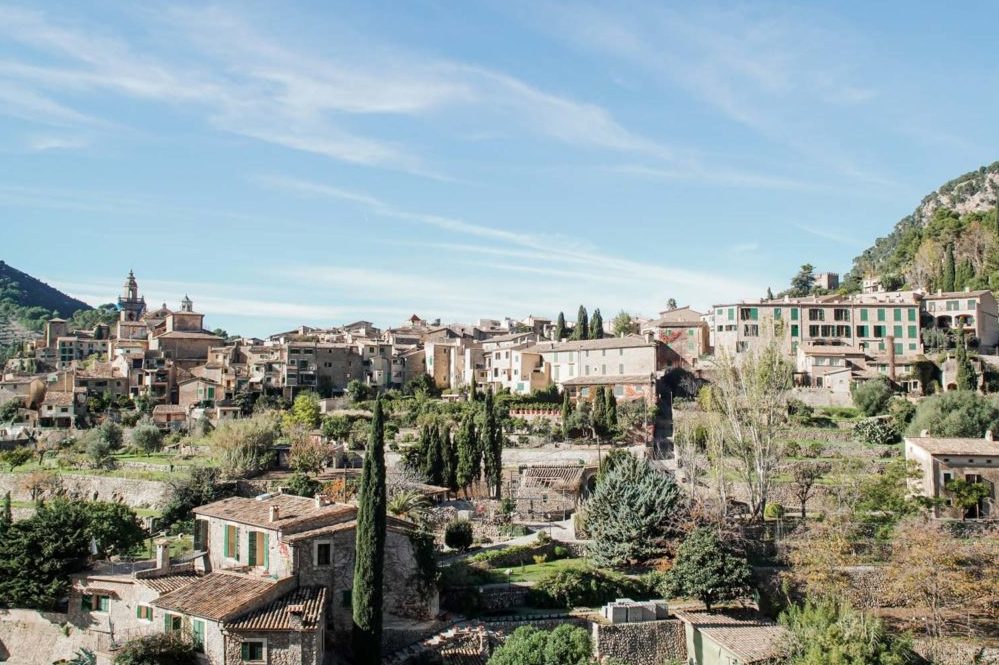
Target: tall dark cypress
492, 447
600, 412
949, 270
566, 412
469, 455
6, 514
369, 555
582, 329
597, 325
473, 388
449, 448
560, 329
611, 401
433, 468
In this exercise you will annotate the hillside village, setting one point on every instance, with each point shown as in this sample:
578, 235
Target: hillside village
692, 487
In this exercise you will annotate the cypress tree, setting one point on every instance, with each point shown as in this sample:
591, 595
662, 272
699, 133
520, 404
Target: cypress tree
964, 275
597, 325
949, 270
560, 329
433, 467
600, 412
611, 409
967, 377
566, 412
6, 514
450, 450
770, 294
582, 329
469, 455
492, 444
369, 556
473, 388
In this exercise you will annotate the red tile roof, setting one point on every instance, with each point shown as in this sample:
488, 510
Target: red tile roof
308, 603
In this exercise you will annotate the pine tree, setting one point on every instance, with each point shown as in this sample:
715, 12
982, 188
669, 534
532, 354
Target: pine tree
469, 455
560, 329
566, 413
597, 325
492, 444
582, 329
949, 270
369, 557
770, 294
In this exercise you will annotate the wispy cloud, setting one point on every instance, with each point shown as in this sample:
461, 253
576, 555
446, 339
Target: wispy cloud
52, 142
827, 234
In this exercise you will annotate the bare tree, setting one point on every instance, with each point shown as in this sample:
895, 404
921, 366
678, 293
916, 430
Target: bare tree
689, 448
804, 476
752, 398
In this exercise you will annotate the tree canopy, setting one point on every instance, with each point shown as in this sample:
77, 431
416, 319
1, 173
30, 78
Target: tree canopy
959, 413
708, 570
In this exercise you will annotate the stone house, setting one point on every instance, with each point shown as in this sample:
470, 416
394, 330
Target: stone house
269, 582
942, 460
685, 333
630, 365
971, 312
731, 637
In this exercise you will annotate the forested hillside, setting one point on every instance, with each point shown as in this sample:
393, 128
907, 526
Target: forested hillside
949, 242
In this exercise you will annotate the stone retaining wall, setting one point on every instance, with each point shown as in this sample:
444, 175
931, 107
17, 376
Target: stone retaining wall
642, 643
135, 493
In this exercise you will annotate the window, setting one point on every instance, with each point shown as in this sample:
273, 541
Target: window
777, 312
231, 542
841, 314
971, 304
323, 554
953, 305
912, 313
794, 313
198, 635
620, 368
898, 348
863, 315
947, 477
794, 329
144, 612
256, 548
912, 332
603, 370
252, 652
881, 314
751, 329
897, 331
95, 602
619, 392
345, 598
861, 331
200, 535
896, 314
172, 622
879, 331
816, 315
813, 331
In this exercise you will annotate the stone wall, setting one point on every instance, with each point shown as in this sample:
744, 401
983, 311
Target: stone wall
956, 652
36, 638
283, 648
135, 493
642, 643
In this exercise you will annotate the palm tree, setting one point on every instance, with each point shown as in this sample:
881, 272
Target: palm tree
409, 505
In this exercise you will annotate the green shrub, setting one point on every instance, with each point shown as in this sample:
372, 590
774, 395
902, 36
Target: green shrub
959, 413
559, 552
147, 438
585, 587
879, 431
792, 449
872, 397
813, 449
773, 511
458, 534
158, 649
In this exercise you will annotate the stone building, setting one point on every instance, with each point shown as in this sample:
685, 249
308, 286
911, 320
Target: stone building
685, 334
943, 460
269, 582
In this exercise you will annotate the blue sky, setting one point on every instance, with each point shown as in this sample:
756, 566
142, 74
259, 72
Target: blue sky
319, 162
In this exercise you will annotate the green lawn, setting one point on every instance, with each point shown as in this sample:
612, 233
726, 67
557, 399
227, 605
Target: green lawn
535, 571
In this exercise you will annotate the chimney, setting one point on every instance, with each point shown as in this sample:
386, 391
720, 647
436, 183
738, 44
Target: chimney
924, 433
319, 501
295, 616
891, 357
162, 554
275, 513
989, 436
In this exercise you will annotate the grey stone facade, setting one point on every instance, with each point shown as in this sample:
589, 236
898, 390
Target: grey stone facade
642, 643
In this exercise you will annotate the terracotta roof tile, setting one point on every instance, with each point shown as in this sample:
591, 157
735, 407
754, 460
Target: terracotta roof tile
967, 446
295, 513
743, 632
167, 583
608, 380
309, 602
216, 596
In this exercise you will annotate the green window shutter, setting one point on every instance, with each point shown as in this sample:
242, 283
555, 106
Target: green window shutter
167, 625
794, 313
225, 540
776, 312
266, 546
235, 544
898, 348
863, 315
794, 330
912, 313
897, 331
731, 313
754, 314
138, 612
912, 332
881, 314
244, 651
897, 314
251, 548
